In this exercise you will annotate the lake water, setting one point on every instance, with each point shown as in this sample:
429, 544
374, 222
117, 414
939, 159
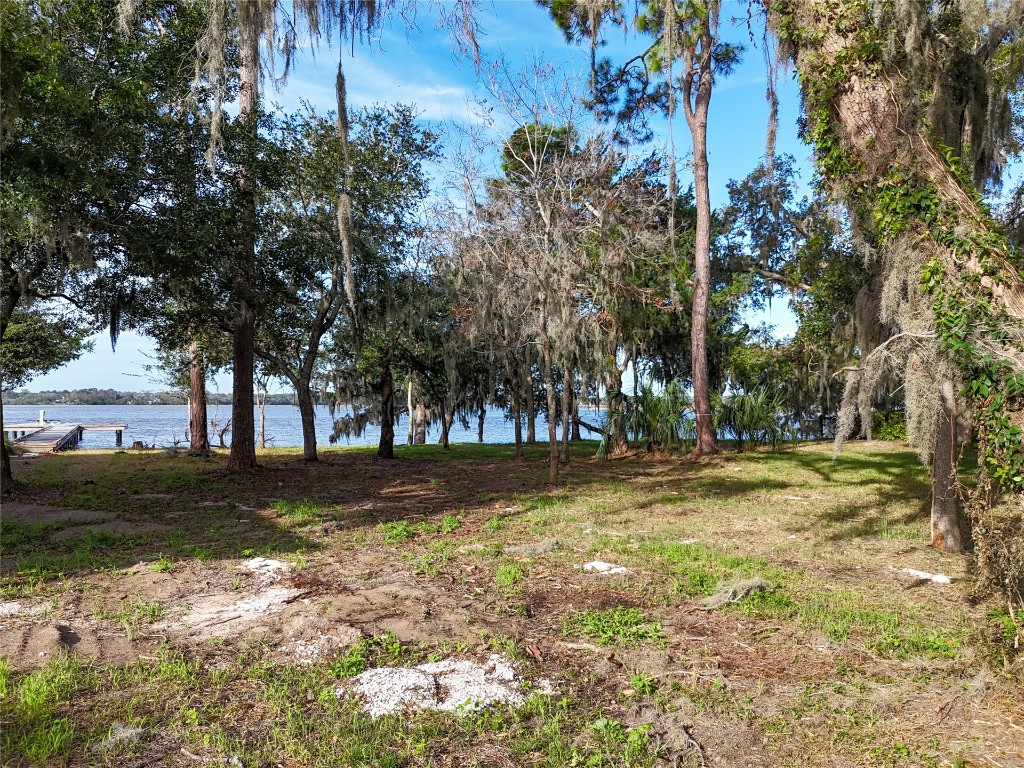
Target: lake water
161, 425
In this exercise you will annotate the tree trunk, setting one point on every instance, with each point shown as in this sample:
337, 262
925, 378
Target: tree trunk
576, 436
549, 386
6, 476
386, 445
517, 410
531, 405
945, 500
198, 429
420, 428
879, 157
616, 409
566, 414
261, 406
706, 443
481, 416
696, 112
243, 433
307, 414
447, 419
408, 410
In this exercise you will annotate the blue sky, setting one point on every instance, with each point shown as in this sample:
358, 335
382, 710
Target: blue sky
419, 67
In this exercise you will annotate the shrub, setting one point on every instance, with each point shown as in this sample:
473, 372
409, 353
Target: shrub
656, 420
754, 418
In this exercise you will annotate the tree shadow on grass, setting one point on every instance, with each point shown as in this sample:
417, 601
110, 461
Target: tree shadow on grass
93, 512
894, 465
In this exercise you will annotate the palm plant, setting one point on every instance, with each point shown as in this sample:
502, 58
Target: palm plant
657, 420
754, 418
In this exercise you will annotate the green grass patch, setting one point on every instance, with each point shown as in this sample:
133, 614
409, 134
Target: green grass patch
397, 531
615, 626
300, 511
697, 568
509, 578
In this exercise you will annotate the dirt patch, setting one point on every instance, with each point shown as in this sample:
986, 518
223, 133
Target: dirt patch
31, 645
35, 514
116, 527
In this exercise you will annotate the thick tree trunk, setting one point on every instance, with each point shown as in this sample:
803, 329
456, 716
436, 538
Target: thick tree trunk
307, 414
616, 408
386, 445
881, 160
243, 417
549, 386
447, 419
420, 427
945, 499
198, 425
576, 436
243, 431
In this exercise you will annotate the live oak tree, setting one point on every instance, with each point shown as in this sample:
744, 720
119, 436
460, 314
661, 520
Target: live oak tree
37, 340
79, 105
261, 33
307, 266
952, 285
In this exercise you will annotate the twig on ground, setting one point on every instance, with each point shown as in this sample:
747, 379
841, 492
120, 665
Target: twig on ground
693, 744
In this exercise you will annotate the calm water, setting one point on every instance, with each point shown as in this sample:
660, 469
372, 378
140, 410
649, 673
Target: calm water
161, 425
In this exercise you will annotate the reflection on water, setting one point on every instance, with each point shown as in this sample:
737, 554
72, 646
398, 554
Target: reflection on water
163, 425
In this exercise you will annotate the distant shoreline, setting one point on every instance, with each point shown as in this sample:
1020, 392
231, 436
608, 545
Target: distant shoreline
113, 397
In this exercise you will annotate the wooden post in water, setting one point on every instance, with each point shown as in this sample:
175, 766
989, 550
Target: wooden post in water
117, 438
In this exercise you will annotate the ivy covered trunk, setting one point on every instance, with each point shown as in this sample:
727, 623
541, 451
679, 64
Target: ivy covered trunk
924, 214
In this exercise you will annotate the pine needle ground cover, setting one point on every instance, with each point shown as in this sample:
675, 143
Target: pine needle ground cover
164, 611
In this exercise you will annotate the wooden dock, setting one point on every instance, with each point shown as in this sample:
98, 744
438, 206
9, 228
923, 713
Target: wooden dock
55, 436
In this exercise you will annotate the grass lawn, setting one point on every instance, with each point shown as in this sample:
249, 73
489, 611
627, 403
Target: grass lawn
164, 611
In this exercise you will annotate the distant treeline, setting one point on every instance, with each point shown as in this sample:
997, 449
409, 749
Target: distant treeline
113, 397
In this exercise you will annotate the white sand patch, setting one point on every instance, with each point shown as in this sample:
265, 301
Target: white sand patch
11, 609
221, 615
443, 686
937, 578
600, 566
322, 646
268, 570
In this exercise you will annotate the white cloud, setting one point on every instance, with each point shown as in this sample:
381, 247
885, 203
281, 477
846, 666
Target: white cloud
370, 82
